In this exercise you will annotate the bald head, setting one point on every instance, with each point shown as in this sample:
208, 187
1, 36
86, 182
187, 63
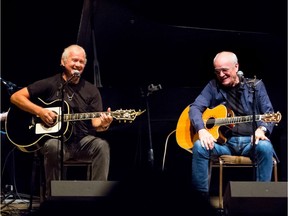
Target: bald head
226, 67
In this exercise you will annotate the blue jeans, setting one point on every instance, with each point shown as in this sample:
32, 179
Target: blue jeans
264, 152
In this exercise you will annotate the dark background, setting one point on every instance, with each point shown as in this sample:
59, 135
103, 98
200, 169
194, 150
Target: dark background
138, 43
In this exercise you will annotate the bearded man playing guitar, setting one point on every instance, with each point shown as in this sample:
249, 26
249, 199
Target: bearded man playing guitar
231, 90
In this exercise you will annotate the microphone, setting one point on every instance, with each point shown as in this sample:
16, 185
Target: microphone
240, 74
11, 87
152, 88
76, 73
8, 84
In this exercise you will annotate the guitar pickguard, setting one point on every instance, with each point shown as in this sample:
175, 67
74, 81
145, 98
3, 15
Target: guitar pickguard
41, 128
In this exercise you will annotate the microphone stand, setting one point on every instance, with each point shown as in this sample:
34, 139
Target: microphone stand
62, 122
150, 151
151, 89
254, 126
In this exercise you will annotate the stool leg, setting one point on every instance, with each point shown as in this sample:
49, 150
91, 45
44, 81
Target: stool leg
35, 163
42, 181
210, 172
275, 171
220, 183
89, 172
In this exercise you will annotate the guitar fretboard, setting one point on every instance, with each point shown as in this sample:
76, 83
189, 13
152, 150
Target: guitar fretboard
80, 116
232, 120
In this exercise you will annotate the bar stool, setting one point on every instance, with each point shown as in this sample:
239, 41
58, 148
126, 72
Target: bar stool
80, 163
233, 162
86, 164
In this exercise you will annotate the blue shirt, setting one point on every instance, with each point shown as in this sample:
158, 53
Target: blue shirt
214, 94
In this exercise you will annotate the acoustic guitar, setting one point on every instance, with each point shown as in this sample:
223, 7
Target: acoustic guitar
213, 120
27, 131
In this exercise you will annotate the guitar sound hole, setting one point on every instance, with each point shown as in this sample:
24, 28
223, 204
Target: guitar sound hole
210, 123
49, 126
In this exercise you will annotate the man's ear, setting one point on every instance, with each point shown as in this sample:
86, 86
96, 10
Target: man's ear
62, 63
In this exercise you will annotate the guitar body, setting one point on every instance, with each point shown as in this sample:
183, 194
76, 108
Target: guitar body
184, 131
186, 135
213, 120
26, 130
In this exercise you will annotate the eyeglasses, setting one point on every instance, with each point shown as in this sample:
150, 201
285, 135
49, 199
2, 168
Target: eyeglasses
224, 70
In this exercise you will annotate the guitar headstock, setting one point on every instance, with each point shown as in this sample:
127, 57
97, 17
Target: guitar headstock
126, 115
272, 117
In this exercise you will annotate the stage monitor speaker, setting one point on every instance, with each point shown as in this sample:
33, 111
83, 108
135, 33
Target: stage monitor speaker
84, 188
255, 198
79, 197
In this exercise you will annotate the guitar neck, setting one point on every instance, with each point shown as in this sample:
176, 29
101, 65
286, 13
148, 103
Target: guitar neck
235, 120
81, 116
121, 115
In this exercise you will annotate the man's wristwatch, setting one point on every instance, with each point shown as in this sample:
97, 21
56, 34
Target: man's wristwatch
263, 129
